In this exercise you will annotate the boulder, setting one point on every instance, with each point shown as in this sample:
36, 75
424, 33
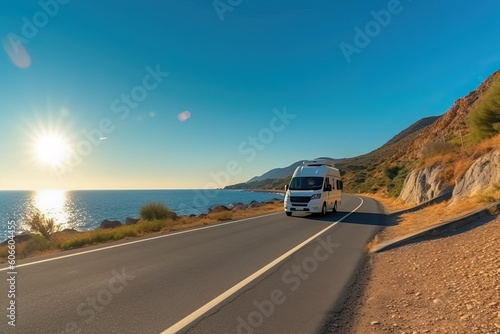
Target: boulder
203, 215
218, 208
131, 221
254, 204
236, 205
110, 223
484, 173
423, 184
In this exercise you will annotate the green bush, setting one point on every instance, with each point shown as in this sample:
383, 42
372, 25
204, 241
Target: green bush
395, 178
484, 119
38, 223
156, 211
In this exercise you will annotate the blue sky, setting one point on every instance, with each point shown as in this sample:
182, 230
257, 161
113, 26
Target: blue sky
234, 68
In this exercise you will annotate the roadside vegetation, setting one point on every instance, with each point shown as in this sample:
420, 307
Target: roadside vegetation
38, 223
156, 211
484, 119
154, 218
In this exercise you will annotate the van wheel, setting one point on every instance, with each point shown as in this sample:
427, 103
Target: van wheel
335, 207
323, 210
288, 213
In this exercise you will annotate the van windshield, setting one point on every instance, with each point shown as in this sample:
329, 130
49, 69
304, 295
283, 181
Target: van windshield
306, 183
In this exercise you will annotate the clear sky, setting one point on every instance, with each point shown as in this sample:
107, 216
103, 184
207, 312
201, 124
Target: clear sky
175, 94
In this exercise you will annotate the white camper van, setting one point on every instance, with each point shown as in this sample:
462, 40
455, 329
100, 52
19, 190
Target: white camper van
315, 187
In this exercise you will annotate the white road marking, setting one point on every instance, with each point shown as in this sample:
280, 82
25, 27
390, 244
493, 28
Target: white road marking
217, 300
137, 241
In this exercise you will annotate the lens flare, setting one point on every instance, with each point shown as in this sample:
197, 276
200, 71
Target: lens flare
16, 52
184, 116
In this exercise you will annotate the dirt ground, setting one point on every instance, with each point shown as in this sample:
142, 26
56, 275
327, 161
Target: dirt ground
449, 284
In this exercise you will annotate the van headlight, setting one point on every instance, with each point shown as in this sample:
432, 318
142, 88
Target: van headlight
316, 196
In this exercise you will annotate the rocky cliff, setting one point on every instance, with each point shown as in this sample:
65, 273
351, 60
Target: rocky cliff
484, 173
422, 185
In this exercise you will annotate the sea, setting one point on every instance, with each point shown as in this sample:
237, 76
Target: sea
86, 209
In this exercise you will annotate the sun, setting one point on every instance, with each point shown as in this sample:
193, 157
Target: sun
51, 149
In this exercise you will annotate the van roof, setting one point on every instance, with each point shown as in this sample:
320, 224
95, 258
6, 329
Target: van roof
320, 171
319, 162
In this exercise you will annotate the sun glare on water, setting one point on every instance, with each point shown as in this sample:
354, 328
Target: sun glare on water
51, 149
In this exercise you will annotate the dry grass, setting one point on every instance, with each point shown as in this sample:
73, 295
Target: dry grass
71, 240
457, 162
434, 214
390, 204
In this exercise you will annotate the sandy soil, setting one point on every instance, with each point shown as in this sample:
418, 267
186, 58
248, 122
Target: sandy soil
450, 284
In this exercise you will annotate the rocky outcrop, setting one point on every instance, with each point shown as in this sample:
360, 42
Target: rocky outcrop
110, 223
236, 205
218, 208
422, 185
483, 173
131, 221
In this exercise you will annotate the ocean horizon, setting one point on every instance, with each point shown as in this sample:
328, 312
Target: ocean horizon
86, 209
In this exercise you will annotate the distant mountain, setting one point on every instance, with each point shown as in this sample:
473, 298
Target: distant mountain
277, 173
281, 173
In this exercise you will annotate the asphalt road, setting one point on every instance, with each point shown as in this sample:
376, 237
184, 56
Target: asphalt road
258, 275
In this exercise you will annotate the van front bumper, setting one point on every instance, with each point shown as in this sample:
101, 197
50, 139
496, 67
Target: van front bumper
314, 206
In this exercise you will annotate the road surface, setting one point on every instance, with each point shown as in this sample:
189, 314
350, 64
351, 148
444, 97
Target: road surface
271, 274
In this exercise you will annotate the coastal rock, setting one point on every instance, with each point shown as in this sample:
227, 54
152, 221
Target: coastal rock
70, 230
422, 185
236, 205
274, 200
484, 173
254, 204
203, 215
218, 208
131, 221
110, 223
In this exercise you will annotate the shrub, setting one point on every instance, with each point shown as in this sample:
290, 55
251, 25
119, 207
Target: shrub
156, 211
38, 223
36, 244
484, 119
395, 178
